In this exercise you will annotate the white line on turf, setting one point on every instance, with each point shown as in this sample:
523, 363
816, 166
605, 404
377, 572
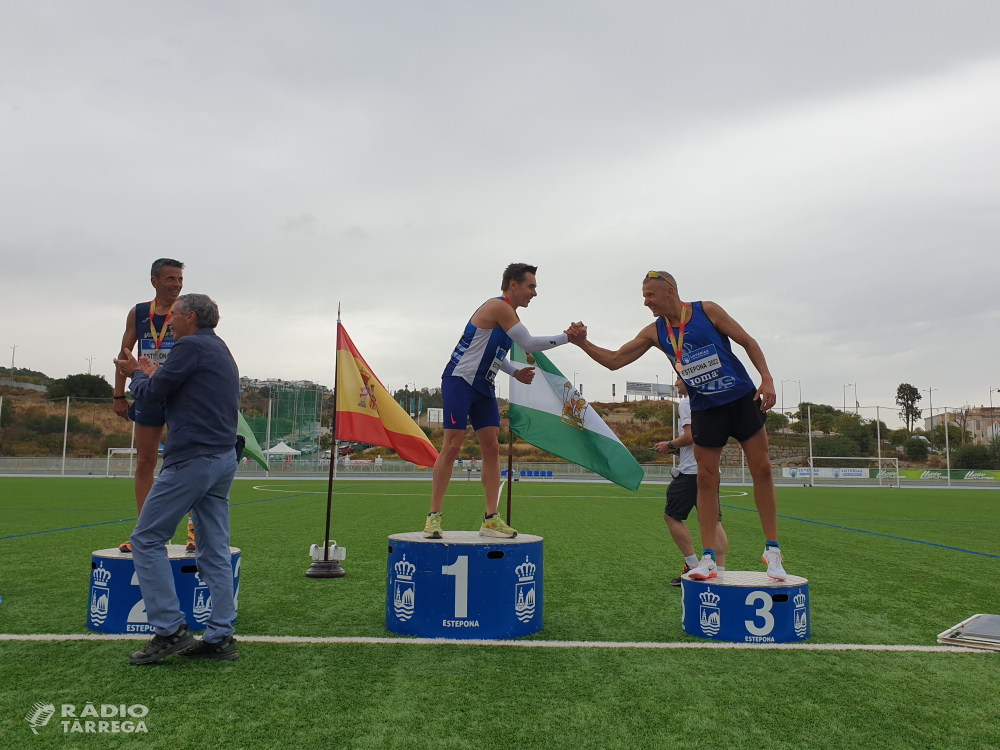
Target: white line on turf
634, 645
424, 494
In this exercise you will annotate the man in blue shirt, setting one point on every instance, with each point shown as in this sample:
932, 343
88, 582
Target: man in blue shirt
200, 384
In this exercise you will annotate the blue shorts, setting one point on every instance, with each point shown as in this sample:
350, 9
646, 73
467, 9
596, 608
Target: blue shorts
148, 414
464, 404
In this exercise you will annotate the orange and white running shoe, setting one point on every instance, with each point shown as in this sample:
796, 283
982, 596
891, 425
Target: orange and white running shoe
704, 570
773, 557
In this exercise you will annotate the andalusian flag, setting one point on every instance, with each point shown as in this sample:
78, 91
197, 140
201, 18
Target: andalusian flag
552, 415
367, 413
252, 447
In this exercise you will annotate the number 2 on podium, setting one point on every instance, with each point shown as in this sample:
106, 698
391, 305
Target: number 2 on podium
460, 569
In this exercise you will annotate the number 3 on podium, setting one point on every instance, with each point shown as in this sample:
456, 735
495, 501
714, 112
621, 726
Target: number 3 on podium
460, 569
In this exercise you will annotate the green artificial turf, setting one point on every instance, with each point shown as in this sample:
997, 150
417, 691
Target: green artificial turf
608, 561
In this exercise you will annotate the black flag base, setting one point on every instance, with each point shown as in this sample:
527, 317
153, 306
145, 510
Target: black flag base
330, 567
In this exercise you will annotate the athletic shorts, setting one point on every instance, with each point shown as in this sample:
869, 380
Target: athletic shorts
682, 496
464, 404
741, 419
148, 414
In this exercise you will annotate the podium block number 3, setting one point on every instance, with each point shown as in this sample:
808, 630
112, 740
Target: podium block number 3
460, 569
763, 612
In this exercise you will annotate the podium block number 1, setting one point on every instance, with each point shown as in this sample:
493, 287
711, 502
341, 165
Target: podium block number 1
460, 569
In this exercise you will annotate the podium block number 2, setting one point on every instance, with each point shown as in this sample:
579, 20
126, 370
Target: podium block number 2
460, 569
763, 612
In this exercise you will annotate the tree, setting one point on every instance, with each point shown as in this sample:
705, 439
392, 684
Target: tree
916, 449
800, 427
962, 416
907, 397
855, 428
896, 437
775, 421
643, 413
823, 422
81, 386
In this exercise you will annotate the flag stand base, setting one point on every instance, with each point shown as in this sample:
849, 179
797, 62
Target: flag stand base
326, 569
330, 567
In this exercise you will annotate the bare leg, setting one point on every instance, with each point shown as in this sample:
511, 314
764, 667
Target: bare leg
764, 495
489, 442
445, 465
147, 443
682, 537
722, 545
708, 494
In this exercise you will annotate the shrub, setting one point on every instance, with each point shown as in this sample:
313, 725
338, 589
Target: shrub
973, 457
643, 455
916, 449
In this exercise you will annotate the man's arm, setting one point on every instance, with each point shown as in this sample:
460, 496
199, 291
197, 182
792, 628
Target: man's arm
168, 377
128, 343
683, 441
726, 325
626, 355
498, 313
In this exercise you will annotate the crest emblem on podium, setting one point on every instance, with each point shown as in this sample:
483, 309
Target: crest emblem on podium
99, 595
800, 620
524, 590
709, 615
201, 606
404, 594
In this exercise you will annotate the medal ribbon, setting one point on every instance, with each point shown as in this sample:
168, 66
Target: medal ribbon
678, 343
158, 337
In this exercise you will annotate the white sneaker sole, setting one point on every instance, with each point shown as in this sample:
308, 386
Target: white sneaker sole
774, 576
700, 577
498, 534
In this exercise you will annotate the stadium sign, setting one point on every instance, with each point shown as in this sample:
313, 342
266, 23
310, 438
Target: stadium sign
650, 390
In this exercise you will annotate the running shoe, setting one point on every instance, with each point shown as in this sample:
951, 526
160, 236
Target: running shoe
677, 580
432, 528
160, 647
126, 548
224, 650
773, 557
704, 570
495, 526
190, 543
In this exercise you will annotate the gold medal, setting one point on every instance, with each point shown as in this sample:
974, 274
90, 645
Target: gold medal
531, 360
679, 367
677, 344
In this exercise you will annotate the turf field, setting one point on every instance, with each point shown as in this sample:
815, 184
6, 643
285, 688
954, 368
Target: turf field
608, 561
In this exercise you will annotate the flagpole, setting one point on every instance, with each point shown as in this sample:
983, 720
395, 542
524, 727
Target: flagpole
510, 463
327, 568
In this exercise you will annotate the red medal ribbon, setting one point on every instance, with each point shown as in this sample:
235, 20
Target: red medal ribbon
158, 337
678, 343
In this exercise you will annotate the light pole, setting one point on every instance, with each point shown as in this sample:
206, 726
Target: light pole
993, 419
930, 396
800, 397
846, 386
13, 351
90, 364
856, 404
783, 396
657, 387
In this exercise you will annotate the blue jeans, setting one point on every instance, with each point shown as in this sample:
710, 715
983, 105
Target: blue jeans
199, 485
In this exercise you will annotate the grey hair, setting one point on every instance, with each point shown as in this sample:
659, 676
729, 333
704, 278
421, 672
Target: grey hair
204, 307
159, 265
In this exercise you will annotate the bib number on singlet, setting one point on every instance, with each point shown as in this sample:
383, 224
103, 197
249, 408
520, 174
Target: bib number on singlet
491, 376
703, 368
147, 348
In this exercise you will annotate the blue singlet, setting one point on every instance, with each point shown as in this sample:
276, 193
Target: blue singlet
478, 355
714, 376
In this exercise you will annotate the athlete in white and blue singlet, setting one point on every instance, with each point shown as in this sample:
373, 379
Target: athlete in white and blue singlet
724, 401
469, 391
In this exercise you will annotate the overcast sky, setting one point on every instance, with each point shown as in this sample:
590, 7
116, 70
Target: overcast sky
830, 176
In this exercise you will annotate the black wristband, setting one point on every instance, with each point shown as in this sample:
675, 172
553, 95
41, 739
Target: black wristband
115, 398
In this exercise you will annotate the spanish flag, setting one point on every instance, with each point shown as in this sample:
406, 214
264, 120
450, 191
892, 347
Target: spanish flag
367, 413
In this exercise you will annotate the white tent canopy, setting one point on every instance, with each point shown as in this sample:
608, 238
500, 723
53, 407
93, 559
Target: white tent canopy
282, 449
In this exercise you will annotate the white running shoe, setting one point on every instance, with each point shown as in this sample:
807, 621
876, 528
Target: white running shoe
773, 557
705, 569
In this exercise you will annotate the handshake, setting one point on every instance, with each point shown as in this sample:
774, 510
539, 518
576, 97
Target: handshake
577, 333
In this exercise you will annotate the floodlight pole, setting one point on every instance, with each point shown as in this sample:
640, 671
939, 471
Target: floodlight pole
510, 463
878, 439
1, 406
65, 436
267, 438
327, 568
